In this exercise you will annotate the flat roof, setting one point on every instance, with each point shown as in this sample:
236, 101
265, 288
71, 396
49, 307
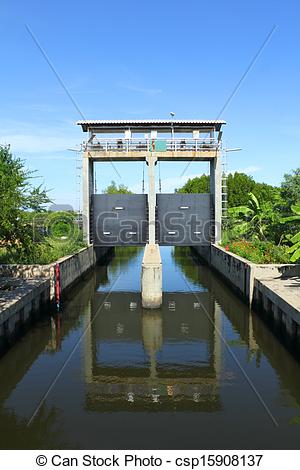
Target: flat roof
146, 124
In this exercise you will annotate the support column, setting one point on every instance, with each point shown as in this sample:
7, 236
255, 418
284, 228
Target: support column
151, 277
151, 281
216, 194
151, 161
87, 191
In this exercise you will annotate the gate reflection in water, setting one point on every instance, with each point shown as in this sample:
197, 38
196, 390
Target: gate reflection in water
139, 379
169, 359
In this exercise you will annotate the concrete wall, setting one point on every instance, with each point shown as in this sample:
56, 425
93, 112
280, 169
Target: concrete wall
25, 271
20, 305
270, 289
71, 268
238, 272
25, 289
279, 305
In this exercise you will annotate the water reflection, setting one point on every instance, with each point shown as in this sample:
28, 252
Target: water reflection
137, 371
168, 359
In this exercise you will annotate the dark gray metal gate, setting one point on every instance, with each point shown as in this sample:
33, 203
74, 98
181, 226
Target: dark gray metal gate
183, 219
119, 219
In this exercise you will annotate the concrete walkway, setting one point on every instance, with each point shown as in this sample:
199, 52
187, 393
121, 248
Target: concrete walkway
16, 290
285, 292
279, 297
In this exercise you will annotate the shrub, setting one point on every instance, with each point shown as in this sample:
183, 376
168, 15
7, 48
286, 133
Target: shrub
261, 252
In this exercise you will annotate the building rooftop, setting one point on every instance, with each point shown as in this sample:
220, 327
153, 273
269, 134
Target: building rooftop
164, 125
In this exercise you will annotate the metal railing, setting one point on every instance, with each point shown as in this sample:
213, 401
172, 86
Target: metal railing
148, 145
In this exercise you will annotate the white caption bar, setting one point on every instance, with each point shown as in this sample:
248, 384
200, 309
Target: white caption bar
165, 460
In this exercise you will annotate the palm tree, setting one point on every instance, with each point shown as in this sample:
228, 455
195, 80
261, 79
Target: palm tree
252, 219
295, 239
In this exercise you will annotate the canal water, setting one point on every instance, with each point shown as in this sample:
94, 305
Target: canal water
201, 372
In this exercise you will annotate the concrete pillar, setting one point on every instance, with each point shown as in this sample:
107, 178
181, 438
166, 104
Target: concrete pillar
151, 281
87, 191
216, 194
151, 162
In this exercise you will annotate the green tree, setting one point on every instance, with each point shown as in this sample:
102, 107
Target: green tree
267, 193
17, 195
239, 185
114, 189
200, 184
290, 187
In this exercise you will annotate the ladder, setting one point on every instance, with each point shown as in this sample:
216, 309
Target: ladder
224, 187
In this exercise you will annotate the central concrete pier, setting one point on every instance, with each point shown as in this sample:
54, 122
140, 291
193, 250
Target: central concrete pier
147, 140
151, 266
151, 277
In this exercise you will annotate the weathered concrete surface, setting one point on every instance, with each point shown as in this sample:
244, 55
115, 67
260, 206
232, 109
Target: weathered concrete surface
270, 289
74, 266
71, 268
239, 272
19, 300
24, 289
151, 281
282, 292
279, 299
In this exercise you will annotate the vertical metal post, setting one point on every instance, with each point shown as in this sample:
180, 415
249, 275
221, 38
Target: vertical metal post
216, 194
87, 191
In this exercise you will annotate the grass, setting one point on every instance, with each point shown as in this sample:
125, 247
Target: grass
42, 253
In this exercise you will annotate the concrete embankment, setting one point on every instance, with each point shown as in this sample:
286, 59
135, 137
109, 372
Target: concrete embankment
26, 290
279, 299
20, 302
271, 289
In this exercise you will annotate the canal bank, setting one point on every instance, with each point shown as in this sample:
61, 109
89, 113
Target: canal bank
128, 377
27, 291
272, 290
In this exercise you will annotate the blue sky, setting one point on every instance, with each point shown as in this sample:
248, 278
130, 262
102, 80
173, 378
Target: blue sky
138, 59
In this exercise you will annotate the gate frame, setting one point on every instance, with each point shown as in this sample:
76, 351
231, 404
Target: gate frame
126, 149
